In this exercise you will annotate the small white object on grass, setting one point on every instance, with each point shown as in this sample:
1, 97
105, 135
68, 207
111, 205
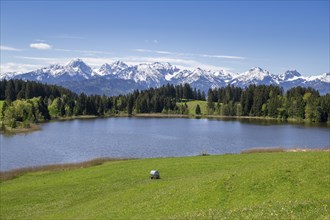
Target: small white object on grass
154, 174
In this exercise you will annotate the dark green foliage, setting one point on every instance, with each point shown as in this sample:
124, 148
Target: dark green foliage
130, 105
325, 107
211, 98
270, 101
10, 91
198, 110
20, 89
21, 106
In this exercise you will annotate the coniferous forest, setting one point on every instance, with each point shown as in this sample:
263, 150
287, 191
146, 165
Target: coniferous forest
25, 102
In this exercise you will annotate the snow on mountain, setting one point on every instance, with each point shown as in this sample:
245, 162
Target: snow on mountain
152, 74
104, 70
74, 70
255, 76
178, 75
111, 69
323, 78
156, 74
9, 75
118, 66
77, 67
199, 74
201, 79
289, 75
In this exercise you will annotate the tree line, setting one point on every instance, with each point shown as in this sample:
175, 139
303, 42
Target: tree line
25, 102
30, 101
270, 101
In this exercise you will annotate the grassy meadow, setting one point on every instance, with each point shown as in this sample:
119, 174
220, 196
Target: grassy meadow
279, 185
192, 106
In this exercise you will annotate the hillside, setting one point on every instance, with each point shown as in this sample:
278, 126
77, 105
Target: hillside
244, 186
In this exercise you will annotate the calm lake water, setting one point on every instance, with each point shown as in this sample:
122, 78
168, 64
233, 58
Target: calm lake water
80, 140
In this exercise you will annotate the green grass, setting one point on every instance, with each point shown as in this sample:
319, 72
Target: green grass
243, 186
192, 106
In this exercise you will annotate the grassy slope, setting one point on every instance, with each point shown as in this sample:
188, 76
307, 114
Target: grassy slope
259, 186
192, 106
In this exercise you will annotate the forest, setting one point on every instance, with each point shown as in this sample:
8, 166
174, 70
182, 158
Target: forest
26, 102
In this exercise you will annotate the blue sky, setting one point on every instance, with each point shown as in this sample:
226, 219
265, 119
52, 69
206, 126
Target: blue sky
232, 35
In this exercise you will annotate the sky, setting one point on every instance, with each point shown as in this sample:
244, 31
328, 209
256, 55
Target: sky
231, 35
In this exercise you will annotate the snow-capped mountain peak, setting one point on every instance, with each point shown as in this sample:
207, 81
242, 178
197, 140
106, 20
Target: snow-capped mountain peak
164, 68
257, 72
198, 71
54, 69
156, 74
119, 64
78, 67
289, 74
256, 69
112, 69
325, 77
75, 63
159, 65
105, 69
255, 75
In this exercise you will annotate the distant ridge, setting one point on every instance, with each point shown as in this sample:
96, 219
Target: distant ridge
119, 77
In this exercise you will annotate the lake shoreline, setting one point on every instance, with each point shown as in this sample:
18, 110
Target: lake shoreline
13, 173
36, 126
21, 130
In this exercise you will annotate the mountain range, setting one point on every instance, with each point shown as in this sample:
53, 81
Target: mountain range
120, 78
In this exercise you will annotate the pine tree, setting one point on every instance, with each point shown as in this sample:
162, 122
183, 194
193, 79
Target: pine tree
28, 92
130, 105
10, 91
198, 110
210, 101
199, 95
203, 96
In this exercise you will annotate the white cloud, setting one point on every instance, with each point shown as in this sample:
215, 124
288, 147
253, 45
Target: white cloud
154, 51
163, 52
41, 46
190, 54
142, 50
85, 51
6, 48
47, 60
222, 57
18, 67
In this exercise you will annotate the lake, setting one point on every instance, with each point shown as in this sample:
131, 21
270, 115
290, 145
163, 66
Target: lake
80, 140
